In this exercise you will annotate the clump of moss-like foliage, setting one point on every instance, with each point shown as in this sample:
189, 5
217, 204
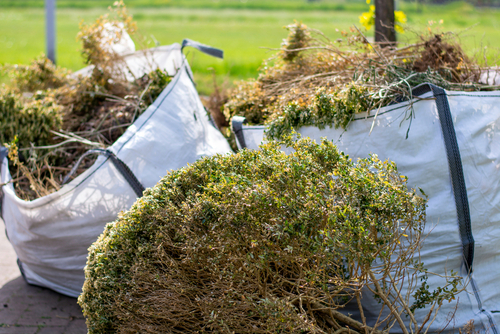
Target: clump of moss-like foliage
260, 242
315, 81
30, 119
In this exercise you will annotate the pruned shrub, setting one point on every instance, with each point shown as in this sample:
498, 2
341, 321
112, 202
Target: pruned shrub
298, 39
259, 242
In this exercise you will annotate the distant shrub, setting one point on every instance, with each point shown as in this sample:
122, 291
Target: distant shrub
298, 38
247, 99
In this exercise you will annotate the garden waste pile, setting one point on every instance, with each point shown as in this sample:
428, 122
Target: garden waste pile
51, 117
428, 107
263, 242
315, 81
323, 237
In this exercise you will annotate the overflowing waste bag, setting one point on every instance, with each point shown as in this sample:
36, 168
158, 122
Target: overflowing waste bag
429, 107
51, 234
447, 144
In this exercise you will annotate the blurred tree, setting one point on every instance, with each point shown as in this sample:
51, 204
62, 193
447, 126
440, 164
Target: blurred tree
384, 22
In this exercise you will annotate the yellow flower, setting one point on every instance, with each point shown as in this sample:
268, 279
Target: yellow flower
367, 19
399, 20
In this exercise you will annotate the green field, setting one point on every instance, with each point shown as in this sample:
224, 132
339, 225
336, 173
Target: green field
243, 29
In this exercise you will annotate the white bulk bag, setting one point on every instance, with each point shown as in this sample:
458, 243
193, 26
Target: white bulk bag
453, 153
51, 234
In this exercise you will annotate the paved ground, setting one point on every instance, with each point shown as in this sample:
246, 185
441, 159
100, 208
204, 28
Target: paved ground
26, 309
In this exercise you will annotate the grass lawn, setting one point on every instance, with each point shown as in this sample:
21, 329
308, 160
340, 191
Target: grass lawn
240, 28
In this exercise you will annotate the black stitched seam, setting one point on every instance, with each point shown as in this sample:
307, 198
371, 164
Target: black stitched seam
457, 176
127, 174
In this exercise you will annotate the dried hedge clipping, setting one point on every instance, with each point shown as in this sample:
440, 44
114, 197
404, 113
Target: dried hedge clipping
261, 242
313, 80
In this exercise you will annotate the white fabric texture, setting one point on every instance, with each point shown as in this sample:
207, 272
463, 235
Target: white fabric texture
123, 45
136, 64
51, 234
422, 157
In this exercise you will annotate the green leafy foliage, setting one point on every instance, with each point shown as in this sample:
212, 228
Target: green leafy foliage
256, 240
155, 82
327, 109
41, 74
423, 296
31, 120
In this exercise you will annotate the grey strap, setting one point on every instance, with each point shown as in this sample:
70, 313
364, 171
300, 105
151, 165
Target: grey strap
120, 165
456, 170
4, 152
237, 125
459, 190
203, 48
127, 174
